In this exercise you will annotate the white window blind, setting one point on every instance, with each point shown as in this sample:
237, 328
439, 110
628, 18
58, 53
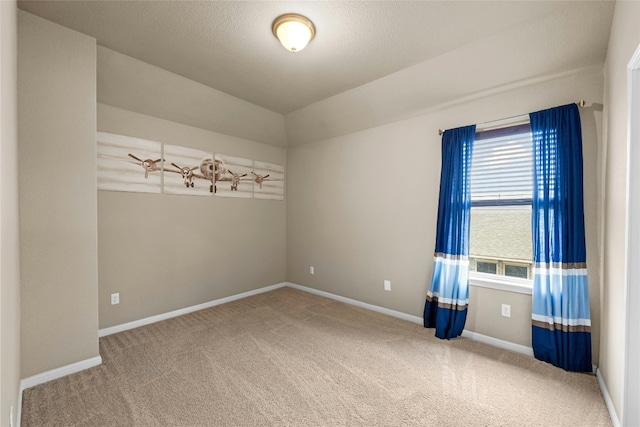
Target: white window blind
502, 167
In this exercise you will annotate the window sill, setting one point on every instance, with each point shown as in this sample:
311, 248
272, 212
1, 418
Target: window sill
501, 283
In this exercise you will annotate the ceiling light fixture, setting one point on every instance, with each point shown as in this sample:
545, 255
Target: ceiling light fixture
294, 31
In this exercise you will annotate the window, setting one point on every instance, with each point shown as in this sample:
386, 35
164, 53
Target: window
513, 270
501, 190
487, 267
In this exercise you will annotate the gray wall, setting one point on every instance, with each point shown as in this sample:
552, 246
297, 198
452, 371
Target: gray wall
164, 252
134, 85
167, 252
9, 245
624, 40
58, 206
362, 207
483, 66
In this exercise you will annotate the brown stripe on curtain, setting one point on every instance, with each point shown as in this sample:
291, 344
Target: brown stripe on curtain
450, 256
447, 305
561, 327
561, 265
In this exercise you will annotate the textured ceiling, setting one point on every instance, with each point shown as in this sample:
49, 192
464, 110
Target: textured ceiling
228, 45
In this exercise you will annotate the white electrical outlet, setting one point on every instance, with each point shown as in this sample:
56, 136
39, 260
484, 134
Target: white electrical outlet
506, 310
115, 298
387, 285
312, 270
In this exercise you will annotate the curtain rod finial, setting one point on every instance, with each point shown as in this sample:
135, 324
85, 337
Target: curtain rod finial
582, 103
440, 131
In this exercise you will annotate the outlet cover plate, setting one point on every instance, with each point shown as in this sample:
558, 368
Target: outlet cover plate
506, 310
115, 298
387, 285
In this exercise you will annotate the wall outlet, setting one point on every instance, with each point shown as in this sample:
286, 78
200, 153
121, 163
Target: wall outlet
506, 310
115, 298
312, 270
387, 285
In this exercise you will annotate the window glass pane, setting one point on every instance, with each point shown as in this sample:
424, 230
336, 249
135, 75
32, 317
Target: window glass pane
487, 267
501, 191
502, 233
516, 271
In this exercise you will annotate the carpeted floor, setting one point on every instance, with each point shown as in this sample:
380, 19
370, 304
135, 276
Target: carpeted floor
290, 358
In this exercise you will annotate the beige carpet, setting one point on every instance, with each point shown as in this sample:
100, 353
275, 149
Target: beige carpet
289, 358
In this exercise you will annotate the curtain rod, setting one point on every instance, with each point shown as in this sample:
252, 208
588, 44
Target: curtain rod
580, 103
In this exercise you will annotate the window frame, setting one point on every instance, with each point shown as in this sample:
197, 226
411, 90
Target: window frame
501, 281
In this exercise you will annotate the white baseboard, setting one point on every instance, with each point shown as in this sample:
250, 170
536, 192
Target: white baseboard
506, 345
95, 361
607, 399
419, 320
398, 314
60, 372
393, 313
51, 375
157, 318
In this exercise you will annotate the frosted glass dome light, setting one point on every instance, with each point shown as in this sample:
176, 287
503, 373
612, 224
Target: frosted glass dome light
294, 31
